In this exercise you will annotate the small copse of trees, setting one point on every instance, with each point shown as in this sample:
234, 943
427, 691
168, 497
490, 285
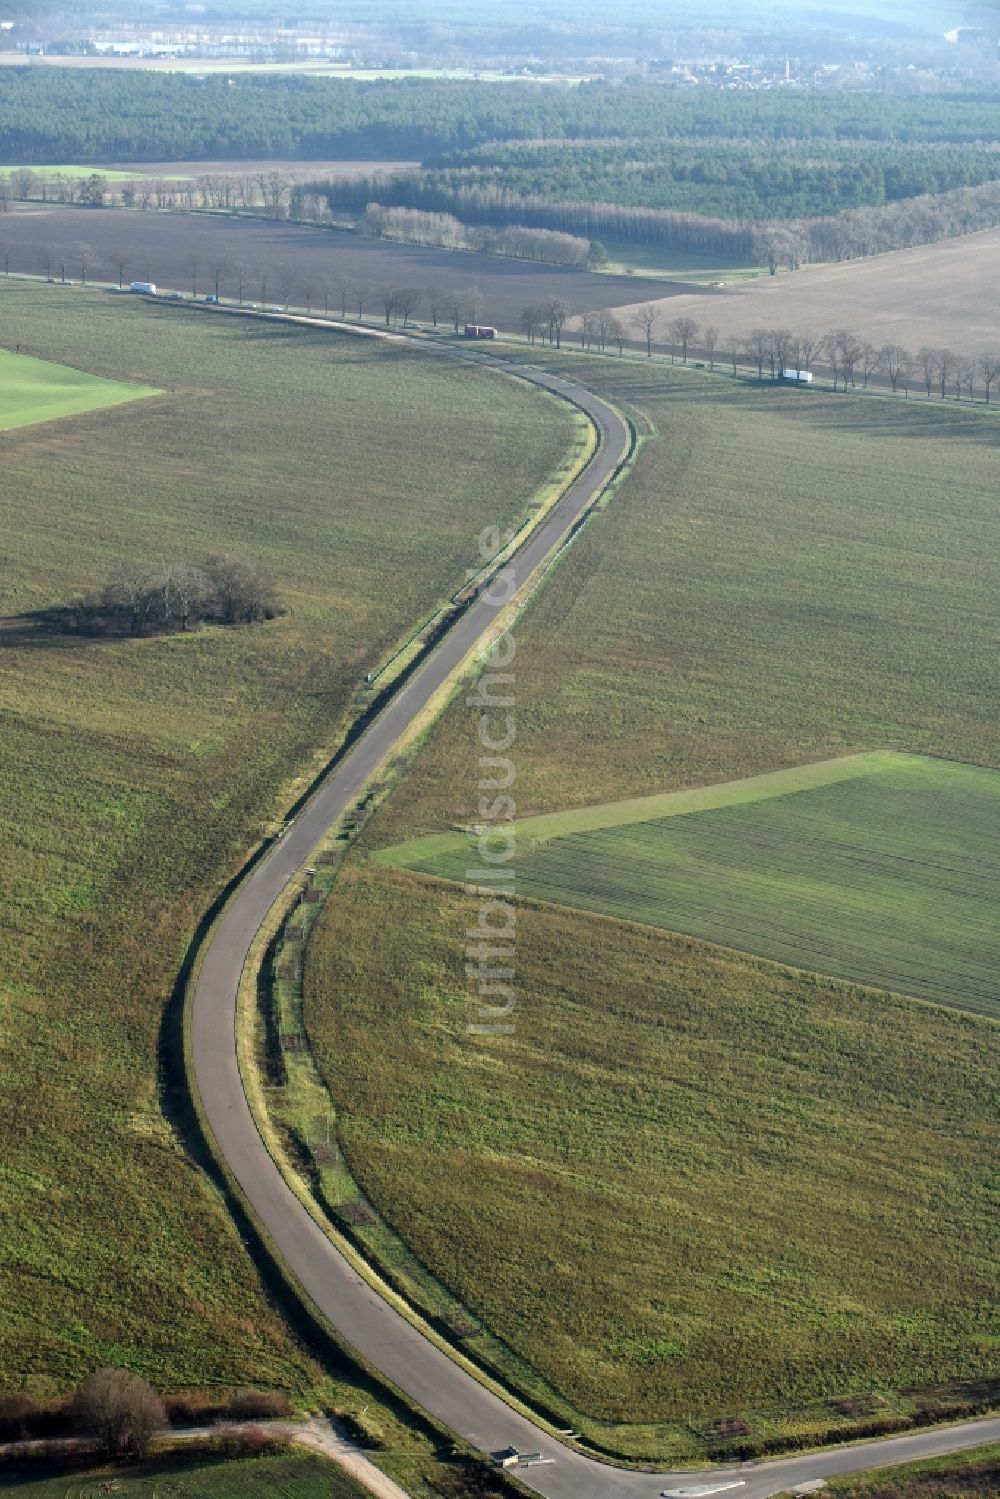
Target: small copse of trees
120, 1411
140, 599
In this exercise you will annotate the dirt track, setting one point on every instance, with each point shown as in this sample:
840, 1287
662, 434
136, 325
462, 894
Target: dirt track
942, 296
160, 247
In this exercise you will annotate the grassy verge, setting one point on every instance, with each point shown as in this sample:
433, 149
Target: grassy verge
968, 1475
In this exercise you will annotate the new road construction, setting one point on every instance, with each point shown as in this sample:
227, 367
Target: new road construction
359, 1316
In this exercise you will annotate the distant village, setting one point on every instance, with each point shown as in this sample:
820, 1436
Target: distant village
960, 50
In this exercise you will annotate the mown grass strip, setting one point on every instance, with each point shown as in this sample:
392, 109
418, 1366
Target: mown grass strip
420, 853
35, 390
880, 869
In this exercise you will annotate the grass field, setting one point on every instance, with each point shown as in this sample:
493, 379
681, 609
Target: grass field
135, 773
626, 258
689, 1185
932, 295
113, 174
298, 1476
971, 1475
888, 876
710, 1186
34, 390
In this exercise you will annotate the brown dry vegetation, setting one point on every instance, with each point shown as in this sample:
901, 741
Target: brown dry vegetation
935, 295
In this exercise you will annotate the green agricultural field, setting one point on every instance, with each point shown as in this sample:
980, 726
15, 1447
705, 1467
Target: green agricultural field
35, 390
297, 1476
135, 773
112, 174
689, 1185
693, 1184
626, 257
888, 875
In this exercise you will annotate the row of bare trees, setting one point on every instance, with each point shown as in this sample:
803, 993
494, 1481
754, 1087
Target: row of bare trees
279, 286
850, 360
853, 361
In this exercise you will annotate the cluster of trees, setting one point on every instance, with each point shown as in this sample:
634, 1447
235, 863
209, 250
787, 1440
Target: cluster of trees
270, 191
22, 183
141, 599
518, 241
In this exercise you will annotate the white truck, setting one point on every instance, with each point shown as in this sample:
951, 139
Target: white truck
144, 288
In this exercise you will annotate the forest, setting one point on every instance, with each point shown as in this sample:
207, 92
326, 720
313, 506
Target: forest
778, 178
86, 115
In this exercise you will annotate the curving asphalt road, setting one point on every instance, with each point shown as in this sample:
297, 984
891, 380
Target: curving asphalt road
362, 1319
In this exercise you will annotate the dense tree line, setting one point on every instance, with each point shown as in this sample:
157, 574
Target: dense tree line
782, 243
89, 115
142, 599
729, 179
443, 229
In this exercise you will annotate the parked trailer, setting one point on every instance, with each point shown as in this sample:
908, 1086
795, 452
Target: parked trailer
798, 377
479, 330
144, 288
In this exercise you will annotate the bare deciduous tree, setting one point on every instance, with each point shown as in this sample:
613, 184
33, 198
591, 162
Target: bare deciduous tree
871, 362
849, 349
896, 363
969, 371
778, 343
757, 346
645, 319
120, 1410
989, 368
242, 594
710, 340
556, 312
927, 359
683, 330
408, 299
84, 256
435, 299
533, 323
